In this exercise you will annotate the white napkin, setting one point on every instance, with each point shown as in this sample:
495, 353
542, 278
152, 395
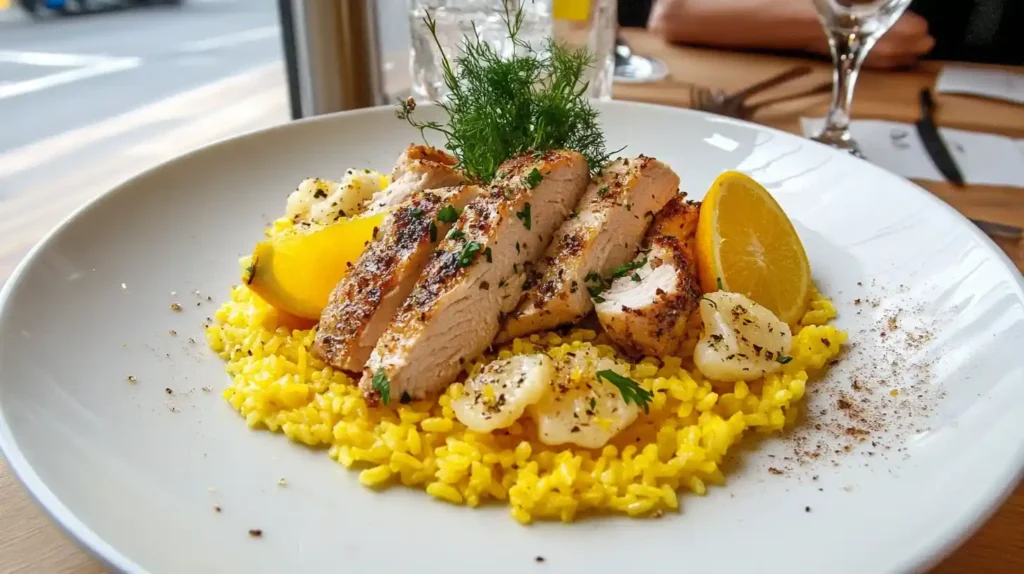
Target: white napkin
998, 84
984, 159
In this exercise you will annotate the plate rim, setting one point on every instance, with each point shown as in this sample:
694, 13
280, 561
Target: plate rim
943, 542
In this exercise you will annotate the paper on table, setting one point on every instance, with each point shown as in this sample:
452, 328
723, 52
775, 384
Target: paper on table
984, 159
998, 84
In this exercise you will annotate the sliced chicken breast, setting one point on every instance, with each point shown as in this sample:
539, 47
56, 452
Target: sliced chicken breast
367, 298
648, 310
419, 167
605, 233
678, 219
475, 276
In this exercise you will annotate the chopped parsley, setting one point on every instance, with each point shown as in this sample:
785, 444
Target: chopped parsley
524, 216
626, 268
783, 359
631, 391
448, 214
603, 191
433, 232
382, 385
487, 254
469, 252
596, 290
635, 277
534, 178
416, 212
720, 285
593, 403
456, 233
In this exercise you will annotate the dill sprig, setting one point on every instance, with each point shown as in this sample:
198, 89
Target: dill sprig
499, 108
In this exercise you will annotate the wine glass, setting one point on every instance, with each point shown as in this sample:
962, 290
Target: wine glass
853, 27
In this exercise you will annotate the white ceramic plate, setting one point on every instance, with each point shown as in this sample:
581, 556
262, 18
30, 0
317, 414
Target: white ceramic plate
128, 469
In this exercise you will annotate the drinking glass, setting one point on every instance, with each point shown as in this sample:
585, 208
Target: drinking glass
853, 27
455, 20
589, 24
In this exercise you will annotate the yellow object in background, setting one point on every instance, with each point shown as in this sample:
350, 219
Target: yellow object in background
5, 4
570, 10
296, 273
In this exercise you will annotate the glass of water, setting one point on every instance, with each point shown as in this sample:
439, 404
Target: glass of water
590, 25
853, 27
577, 24
455, 20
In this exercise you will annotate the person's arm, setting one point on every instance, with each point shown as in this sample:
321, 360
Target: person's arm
777, 25
763, 24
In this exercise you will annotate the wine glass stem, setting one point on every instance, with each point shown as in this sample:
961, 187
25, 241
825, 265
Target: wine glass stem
848, 53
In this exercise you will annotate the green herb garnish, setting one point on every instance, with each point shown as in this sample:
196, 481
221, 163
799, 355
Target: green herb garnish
534, 178
499, 108
603, 191
469, 252
783, 359
720, 284
626, 268
524, 215
631, 391
635, 277
456, 233
448, 214
416, 212
433, 232
382, 386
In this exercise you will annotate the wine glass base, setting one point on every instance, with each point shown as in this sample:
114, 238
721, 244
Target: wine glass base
839, 139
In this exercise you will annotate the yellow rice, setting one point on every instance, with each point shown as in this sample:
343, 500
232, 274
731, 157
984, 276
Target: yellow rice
279, 385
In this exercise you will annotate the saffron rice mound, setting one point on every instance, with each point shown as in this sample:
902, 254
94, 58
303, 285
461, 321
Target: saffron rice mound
280, 386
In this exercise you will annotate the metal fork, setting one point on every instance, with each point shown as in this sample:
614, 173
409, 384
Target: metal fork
719, 102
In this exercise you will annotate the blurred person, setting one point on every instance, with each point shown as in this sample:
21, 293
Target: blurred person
990, 31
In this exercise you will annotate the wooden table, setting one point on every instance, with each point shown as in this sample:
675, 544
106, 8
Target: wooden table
29, 542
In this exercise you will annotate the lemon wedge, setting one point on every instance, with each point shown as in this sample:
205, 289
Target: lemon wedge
295, 273
746, 244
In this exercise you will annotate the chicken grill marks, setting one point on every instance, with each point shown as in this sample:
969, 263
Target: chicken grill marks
605, 232
419, 167
476, 275
648, 312
366, 299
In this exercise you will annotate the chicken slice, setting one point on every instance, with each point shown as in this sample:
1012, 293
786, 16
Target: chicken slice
367, 298
647, 310
476, 275
605, 233
419, 167
678, 219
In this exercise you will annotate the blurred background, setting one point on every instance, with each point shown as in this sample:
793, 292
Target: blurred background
94, 91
